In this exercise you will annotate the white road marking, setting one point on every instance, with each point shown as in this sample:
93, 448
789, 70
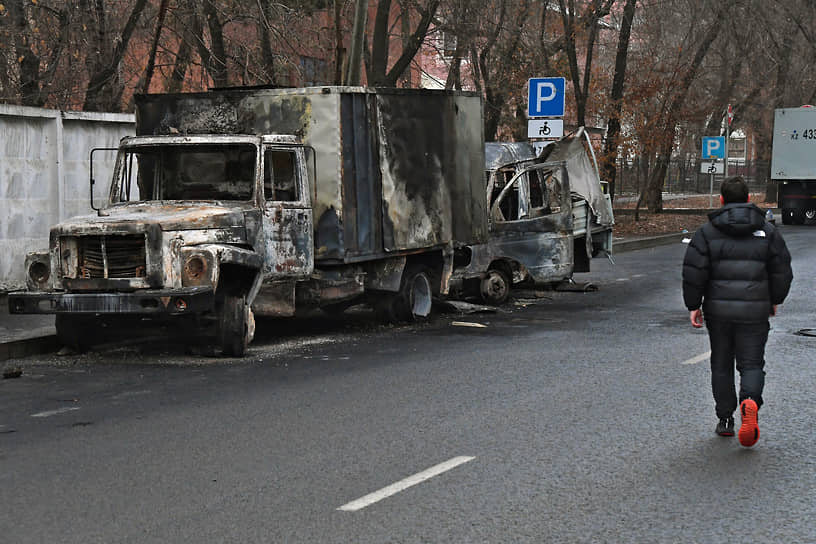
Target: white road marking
694, 360
404, 484
50, 413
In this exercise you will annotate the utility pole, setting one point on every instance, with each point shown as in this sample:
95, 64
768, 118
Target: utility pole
357, 34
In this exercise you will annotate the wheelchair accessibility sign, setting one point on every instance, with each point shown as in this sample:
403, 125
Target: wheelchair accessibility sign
545, 128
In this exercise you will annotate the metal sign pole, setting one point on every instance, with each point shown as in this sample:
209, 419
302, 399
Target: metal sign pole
711, 190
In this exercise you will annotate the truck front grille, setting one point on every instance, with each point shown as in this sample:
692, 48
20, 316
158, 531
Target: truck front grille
111, 256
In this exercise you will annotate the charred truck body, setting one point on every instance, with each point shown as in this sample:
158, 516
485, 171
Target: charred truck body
269, 201
793, 163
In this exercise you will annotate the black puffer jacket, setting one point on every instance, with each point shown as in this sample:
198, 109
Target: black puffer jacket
737, 265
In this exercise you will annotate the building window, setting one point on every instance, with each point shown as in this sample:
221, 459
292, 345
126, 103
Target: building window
313, 71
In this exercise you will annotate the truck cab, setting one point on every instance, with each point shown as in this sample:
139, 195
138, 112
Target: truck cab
192, 226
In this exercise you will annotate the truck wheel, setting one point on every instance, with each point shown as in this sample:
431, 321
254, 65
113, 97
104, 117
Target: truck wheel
413, 301
74, 331
798, 217
235, 326
787, 216
495, 287
810, 214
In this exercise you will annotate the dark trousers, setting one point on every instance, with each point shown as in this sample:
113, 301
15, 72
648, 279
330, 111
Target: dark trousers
745, 343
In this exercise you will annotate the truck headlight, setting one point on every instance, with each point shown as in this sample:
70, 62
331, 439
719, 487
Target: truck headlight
194, 268
38, 271
198, 267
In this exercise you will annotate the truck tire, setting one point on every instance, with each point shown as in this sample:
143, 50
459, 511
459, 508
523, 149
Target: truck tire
495, 287
810, 214
234, 326
413, 301
787, 216
798, 217
74, 331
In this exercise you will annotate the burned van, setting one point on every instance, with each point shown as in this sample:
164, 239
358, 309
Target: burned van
548, 215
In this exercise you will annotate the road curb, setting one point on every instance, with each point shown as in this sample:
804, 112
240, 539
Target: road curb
652, 241
30, 346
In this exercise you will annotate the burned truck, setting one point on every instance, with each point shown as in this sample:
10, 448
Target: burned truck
548, 216
234, 203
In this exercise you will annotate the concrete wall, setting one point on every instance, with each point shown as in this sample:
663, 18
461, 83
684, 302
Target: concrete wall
44, 173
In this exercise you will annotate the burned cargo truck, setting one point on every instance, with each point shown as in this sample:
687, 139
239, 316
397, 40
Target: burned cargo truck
241, 202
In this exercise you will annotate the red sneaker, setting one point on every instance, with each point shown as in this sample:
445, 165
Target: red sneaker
749, 430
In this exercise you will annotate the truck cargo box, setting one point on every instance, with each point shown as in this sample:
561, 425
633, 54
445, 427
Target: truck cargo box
395, 170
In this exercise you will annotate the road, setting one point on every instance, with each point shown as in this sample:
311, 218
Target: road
567, 417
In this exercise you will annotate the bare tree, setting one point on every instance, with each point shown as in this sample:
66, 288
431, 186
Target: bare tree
594, 12
668, 114
104, 92
35, 74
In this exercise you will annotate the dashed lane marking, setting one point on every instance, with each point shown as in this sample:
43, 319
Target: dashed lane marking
404, 484
699, 358
50, 413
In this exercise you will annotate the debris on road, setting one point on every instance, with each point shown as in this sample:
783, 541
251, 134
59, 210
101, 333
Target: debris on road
468, 324
12, 372
464, 307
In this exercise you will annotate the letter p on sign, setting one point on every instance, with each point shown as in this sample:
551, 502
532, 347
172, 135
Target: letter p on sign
545, 97
714, 147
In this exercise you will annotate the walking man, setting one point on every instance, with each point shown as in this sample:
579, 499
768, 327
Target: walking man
737, 267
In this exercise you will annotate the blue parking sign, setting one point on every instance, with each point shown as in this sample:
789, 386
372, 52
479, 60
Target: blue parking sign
545, 97
713, 147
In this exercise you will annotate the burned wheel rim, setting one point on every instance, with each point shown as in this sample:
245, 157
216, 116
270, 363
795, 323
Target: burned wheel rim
495, 287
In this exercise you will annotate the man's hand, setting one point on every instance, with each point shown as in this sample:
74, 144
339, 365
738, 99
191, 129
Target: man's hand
696, 317
773, 310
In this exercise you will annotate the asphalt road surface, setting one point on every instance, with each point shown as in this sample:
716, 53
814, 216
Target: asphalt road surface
563, 417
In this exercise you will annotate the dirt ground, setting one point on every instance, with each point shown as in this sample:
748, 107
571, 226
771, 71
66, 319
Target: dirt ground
653, 224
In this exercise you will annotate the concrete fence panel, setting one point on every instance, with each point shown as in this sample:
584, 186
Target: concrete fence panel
44, 175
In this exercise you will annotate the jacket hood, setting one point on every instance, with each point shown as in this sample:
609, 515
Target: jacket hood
738, 219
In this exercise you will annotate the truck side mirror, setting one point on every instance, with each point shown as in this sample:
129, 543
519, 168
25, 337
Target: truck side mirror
91, 170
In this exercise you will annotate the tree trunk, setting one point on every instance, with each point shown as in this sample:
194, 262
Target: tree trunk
379, 44
216, 60
338, 42
151, 59
28, 61
613, 126
355, 57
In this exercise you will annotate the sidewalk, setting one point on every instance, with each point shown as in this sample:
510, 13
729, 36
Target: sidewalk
24, 335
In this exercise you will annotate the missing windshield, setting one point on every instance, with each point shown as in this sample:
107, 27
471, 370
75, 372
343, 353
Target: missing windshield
186, 172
